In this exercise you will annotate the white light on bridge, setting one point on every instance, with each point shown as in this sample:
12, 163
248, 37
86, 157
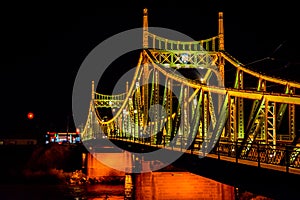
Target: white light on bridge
184, 58
195, 101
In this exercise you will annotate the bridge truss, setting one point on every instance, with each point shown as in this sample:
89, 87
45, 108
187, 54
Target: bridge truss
166, 105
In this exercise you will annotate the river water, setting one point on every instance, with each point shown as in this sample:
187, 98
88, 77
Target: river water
156, 185
60, 192
161, 185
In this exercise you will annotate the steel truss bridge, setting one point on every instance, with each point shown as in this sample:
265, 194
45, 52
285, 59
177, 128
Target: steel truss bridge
256, 124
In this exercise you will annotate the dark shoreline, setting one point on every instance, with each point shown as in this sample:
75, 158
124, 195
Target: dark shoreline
43, 163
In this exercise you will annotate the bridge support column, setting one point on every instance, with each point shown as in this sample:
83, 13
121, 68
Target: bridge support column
101, 164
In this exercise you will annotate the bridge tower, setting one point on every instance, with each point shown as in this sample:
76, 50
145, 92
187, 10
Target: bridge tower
221, 45
145, 87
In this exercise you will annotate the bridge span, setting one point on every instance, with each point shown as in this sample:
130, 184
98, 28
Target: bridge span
179, 100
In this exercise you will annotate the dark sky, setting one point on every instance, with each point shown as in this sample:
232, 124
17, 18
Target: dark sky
43, 46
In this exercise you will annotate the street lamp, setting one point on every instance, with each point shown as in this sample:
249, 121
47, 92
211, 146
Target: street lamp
30, 115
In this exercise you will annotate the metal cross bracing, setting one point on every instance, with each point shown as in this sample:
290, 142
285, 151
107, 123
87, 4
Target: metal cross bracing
166, 105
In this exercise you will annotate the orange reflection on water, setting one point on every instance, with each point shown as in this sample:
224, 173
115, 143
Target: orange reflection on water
180, 185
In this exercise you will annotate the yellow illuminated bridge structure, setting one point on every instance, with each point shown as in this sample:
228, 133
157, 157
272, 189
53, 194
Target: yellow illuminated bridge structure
238, 118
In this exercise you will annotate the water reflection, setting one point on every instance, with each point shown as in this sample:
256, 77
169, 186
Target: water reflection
183, 185
180, 185
60, 192
155, 185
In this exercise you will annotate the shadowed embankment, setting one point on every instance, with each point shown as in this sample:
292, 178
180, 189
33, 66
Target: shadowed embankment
39, 163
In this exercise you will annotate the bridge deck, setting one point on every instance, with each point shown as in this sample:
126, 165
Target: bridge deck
280, 168
255, 164
241, 161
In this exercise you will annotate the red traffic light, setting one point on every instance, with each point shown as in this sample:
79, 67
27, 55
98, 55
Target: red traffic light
30, 115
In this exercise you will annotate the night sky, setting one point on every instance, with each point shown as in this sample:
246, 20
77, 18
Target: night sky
43, 46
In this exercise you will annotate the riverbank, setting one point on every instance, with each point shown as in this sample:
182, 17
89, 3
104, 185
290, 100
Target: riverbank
44, 163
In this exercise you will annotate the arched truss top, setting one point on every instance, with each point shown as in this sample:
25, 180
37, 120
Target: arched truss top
109, 101
242, 67
169, 52
157, 42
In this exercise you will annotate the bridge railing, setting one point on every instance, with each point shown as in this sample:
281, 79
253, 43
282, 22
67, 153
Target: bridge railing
281, 155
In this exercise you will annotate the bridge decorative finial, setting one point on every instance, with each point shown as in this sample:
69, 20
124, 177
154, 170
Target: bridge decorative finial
145, 11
